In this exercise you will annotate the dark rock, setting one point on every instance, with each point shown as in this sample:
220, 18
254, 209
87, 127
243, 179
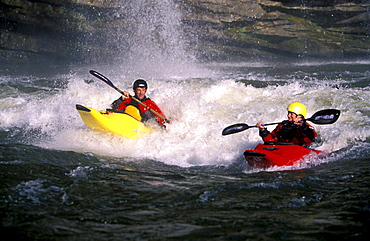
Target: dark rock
75, 31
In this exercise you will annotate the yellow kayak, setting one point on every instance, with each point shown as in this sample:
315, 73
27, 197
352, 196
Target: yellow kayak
118, 123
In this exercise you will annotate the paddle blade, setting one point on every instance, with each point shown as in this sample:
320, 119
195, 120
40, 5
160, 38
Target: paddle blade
234, 129
105, 79
324, 117
102, 77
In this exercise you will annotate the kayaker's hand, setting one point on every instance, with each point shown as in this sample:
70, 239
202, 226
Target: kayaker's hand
299, 120
125, 95
108, 111
261, 125
167, 121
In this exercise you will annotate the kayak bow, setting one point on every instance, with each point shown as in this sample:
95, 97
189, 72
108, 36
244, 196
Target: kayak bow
118, 123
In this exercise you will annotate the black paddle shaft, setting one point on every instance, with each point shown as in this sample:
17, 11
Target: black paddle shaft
322, 117
105, 79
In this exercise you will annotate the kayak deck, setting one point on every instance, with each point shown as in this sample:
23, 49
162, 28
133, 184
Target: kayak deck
276, 154
118, 123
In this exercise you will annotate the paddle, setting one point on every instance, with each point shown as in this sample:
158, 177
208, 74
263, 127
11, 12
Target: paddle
322, 117
107, 81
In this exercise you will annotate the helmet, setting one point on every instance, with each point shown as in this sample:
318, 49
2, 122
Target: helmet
140, 83
297, 108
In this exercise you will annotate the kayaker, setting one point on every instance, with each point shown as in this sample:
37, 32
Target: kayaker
294, 130
127, 104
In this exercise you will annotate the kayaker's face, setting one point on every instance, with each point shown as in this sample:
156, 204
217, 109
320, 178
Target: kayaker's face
140, 92
294, 117
291, 116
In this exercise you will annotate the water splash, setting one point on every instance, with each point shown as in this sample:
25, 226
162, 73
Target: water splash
199, 107
153, 42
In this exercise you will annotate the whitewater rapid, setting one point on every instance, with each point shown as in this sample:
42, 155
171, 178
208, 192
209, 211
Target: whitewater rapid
41, 110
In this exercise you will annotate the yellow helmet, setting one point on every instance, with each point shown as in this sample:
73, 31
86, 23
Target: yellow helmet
297, 108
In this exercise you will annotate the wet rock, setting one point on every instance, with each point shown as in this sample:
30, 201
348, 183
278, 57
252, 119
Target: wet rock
69, 31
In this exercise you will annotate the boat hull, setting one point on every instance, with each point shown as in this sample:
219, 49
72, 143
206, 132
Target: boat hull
117, 123
276, 154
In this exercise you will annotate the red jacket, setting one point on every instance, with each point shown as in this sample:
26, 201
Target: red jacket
145, 113
302, 135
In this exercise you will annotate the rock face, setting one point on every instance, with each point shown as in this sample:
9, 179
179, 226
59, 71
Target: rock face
320, 29
56, 30
68, 31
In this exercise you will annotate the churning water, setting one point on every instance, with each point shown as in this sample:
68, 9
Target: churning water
63, 181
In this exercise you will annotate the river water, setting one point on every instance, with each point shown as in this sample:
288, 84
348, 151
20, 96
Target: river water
63, 181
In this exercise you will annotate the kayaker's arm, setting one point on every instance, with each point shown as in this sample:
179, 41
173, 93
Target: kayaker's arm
116, 103
158, 113
308, 131
262, 130
119, 101
267, 135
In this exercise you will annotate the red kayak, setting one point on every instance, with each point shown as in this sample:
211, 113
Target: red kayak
277, 154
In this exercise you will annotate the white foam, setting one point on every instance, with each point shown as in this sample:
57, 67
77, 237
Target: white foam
200, 109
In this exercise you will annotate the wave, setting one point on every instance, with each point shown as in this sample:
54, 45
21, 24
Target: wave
41, 111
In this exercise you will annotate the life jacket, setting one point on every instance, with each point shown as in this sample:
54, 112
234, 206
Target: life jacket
145, 112
303, 135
